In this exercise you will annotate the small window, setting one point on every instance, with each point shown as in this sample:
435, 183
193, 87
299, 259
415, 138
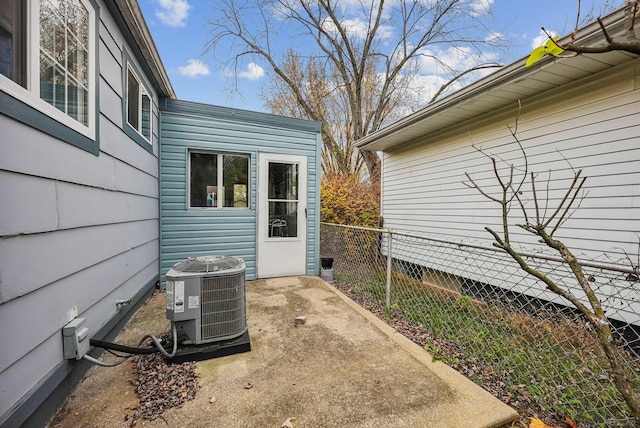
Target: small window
138, 105
218, 180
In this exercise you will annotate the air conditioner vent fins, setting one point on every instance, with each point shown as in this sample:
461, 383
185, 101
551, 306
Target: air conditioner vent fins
209, 264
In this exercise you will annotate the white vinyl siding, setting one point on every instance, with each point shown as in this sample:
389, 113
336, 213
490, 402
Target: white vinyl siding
595, 126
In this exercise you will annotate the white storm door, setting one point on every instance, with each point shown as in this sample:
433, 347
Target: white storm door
282, 215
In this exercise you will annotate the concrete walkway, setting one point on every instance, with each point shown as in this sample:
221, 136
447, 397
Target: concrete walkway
342, 368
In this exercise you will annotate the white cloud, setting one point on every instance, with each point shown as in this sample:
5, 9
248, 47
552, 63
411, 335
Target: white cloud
435, 67
495, 37
357, 28
454, 58
427, 86
173, 12
253, 72
541, 39
354, 27
194, 68
481, 7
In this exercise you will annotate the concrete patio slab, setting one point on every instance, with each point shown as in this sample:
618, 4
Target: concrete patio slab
342, 368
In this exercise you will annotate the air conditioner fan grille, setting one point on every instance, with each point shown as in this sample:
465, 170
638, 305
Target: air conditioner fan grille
209, 264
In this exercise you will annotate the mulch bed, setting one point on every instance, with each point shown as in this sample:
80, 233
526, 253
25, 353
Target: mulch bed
161, 385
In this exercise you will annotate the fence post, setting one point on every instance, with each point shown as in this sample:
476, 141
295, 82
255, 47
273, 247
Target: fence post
388, 292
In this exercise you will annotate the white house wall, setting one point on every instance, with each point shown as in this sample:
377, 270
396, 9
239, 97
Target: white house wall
594, 125
76, 229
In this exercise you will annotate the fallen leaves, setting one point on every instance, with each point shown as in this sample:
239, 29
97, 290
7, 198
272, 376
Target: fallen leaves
515, 395
537, 423
161, 385
570, 423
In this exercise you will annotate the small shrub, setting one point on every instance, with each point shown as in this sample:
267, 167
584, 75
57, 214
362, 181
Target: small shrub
345, 199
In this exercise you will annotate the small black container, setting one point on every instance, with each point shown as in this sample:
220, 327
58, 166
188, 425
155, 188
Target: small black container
326, 262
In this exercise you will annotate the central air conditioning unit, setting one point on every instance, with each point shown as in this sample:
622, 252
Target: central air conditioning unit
206, 299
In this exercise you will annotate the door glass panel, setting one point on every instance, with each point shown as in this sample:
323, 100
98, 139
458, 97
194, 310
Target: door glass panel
283, 200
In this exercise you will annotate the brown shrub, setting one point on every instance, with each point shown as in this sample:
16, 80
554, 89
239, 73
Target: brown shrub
345, 199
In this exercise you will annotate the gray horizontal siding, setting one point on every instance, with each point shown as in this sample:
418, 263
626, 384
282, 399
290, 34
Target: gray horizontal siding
73, 290
232, 232
38, 363
76, 229
65, 252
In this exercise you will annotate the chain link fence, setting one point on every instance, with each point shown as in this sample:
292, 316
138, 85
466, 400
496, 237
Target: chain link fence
472, 307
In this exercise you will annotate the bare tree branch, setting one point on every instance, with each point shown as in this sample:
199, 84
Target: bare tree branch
630, 43
592, 309
366, 70
461, 75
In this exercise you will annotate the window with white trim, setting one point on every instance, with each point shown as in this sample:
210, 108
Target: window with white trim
47, 58
138, 105
218, 180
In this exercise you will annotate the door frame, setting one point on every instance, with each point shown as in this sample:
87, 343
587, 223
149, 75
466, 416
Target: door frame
281, 256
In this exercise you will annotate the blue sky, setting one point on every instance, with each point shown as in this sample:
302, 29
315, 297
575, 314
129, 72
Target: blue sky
180, 30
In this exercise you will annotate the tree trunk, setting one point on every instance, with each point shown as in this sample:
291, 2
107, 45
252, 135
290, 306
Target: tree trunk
372, 161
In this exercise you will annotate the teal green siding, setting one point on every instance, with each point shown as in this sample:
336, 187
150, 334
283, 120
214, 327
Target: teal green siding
232, 231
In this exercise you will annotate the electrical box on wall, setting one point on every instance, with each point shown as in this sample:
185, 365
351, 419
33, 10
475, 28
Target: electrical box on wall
75, 339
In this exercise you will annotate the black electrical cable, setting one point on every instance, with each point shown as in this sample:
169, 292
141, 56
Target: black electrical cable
158, 347
128, 349
118, 354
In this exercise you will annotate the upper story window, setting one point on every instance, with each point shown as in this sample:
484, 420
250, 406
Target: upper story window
47, 58
138, 105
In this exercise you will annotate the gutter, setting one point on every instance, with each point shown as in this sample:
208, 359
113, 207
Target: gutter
475, 89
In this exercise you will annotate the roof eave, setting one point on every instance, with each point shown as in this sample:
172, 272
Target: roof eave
393, 135
143, 44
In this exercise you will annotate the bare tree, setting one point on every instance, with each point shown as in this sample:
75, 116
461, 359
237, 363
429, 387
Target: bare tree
543, 221
629, 41
352, 64
327, 102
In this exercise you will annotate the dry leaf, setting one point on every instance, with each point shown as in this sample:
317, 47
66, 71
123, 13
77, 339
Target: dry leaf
571, 424
537, 423
288, 423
